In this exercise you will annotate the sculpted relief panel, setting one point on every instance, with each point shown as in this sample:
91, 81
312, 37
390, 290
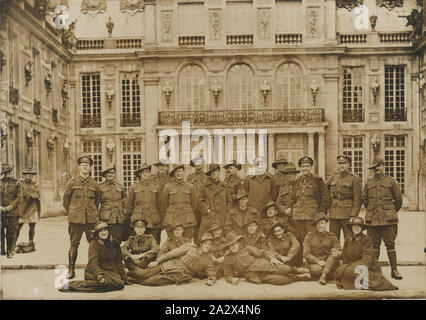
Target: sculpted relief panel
215, 24
263, 23
93, 7
167, 26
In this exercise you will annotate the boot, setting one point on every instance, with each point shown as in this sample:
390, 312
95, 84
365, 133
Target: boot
323, 279
303, 277
72, 257
392, 261
377, 253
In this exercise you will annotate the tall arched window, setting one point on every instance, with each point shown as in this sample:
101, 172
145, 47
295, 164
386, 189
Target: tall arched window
240, 87
192, 84
289, 86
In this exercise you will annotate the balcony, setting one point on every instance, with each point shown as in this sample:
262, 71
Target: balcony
128, 119
128, 43
395, 37
109, 43
90, 120
353, 115
191, 41
288, 38
352, 38
90, 44
233, 117
396, 114
239, 39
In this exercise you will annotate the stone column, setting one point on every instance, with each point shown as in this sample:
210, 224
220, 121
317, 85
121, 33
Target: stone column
271, 152
311, 145
321, 154
329, 94
151, 87
150, 22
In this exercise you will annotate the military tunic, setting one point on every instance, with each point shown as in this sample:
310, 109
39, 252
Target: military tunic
10, 191
212, 204
317, 247
260, 190
232, 184
236, 219
171, 244
196, 178
161, 180
112, 195
346, 191
287, 246
135, 245
257, 240
29, 204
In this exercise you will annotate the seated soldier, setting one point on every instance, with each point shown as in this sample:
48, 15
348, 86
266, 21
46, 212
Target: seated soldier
175, 240
217, 251
322, 250
283, 243
254, 236
256, 265
269, 217
140, 249
179, 265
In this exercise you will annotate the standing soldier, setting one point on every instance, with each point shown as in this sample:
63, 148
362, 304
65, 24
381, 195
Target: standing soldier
161, 177
346, 190
142, 202
9, 210
196, 178
232, 182
29, 204
382, 198
280, 177
179, 200
212, 199
112, 195
81, 202
309, 196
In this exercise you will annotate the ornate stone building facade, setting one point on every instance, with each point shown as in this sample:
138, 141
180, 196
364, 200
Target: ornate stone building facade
324, 77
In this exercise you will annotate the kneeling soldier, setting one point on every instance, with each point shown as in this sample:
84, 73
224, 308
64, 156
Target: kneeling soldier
322, 250
283, 243
140, 249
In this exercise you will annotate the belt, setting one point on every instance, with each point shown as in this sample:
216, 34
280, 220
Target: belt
342, 197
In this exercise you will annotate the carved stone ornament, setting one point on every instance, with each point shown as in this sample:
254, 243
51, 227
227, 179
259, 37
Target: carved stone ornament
110, 26
110, 92
51, 142
348, 4
215, 25
216, 89
313, 26
28, 72
29, 135
167, 90
132, 6
67, 145
265, 88
13, 96
69, 39
390, 4
166, 26
375, 143
2, 61
373, 22
263, 20
64, 93
4, 126
93, 7
48, 83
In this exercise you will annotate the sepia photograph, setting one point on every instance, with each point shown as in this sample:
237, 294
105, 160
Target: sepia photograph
225, 151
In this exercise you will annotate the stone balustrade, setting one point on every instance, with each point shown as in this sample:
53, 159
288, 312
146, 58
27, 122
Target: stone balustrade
191, 41
395, 37
239, 39
352, 38
90, 44
128, 43
288, 38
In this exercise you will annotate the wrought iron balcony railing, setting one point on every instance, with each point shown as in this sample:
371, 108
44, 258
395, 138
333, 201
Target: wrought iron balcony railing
396, 114
91, 120
229, 117
128, 119
353, 115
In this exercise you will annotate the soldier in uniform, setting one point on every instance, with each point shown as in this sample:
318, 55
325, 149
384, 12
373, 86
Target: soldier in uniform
112, 195
232, 182
141, 248
142, 201
283, 243
218, 252
10, 191
179, 200
161, 178
81, 202
256, 265
29, 204
309, 196
322, 250
280, 176
196, 178
346, 190
237, 217
253, 235
269, 217
212, 199
175, 239
383, 199
180, 265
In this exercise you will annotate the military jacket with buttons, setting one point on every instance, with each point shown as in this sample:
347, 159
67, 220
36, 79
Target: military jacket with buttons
10, 191
81, 200
260, 190
317, 246
178, 200
309, 195
196, 178
287, 246
280, 179
211, 203
284, 200
171, 244
346, 191
257, 240
140, 244
161, 181
232, 184
236, 219
112, 195
142, 203
383, 199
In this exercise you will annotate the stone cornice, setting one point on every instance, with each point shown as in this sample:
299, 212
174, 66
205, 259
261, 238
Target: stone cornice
33, 25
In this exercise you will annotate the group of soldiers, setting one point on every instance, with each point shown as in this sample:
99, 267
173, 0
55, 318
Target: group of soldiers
269, 228
20, 204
